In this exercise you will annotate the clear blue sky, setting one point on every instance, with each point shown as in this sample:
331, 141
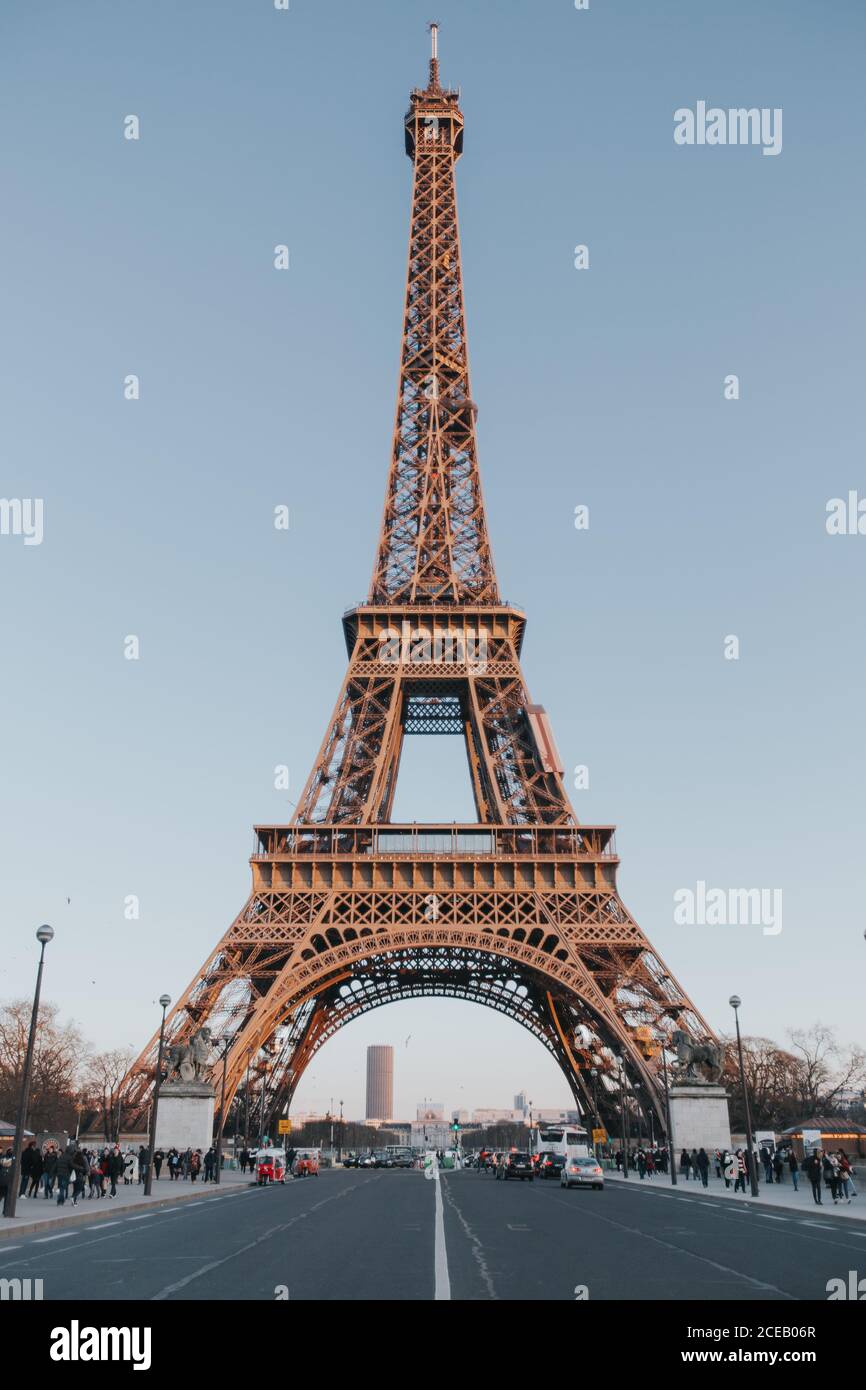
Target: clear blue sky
601, 387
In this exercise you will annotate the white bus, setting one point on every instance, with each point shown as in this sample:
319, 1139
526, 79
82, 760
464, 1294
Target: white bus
570, 1140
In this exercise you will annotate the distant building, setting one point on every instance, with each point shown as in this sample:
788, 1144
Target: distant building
520, 1102
431, 1134
430, 1110
380, 1082
461, 1116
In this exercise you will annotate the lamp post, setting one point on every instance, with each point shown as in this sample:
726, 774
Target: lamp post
530, 1131
735, 1001
264, 1074
44, 934
219, 1143
622, 1117
164, 1000
340, 1149
672, 1157
593, 1071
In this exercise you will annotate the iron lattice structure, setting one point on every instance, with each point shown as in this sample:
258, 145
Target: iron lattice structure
518, 911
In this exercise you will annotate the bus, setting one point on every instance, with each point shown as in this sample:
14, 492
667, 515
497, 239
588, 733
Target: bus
570, 1140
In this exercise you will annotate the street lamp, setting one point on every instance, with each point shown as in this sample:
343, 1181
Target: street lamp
593, 1071
165, 1000
735, 1001
622, 1117
44, 934
219, 1142
672, 1157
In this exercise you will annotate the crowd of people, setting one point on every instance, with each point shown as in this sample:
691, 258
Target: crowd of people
52, 1170
825, 1171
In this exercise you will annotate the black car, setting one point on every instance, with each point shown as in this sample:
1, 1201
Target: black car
516, 1165
549, 1165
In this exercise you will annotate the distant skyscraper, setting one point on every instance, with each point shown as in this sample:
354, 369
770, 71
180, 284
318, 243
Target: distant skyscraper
520, 1101
380, 1083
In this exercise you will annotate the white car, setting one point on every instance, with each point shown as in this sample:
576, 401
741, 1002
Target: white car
581, 1172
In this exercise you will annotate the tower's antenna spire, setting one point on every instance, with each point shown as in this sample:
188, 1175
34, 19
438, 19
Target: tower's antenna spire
434, 54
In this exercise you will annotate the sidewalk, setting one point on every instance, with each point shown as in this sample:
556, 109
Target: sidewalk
781, 1195
38, 1214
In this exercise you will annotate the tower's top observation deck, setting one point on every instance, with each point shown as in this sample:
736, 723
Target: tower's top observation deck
434, 109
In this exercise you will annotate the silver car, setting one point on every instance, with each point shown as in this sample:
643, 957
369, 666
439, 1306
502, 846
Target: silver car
581, 1172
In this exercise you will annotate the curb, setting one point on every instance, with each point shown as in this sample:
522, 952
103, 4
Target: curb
11, 1228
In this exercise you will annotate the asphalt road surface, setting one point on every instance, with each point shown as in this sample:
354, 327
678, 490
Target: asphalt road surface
395, 1235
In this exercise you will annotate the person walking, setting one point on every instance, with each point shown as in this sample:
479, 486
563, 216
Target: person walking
794, 1169
49, 1170
650, 1165
194, 1165
36, 1173
778, 1166
115, 1167
94, 1177
158, 1160
209, 1162
740, 1184
830, 1168
685, 1164
846, 1180
143, 1163
703, 1163
64, 1172
80, 1169
814, 1172
641, 1163
28, 1163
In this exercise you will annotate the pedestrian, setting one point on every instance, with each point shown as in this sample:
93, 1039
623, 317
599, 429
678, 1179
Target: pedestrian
209, 1164
94, 1177
703, 1165
158, 1159
173, 1164
685, 1164
729, 1167
80, 1169
641, 1163
245, 1158
195, 1165
717, 1159
814, 1172
650, 1165
28, 1165
49, 1170
846, 1179
619, 1160
143, 1163
830, 1168
778, 1166
36, 1173
794, 1169
64, 1172
740, 1184
186, 1163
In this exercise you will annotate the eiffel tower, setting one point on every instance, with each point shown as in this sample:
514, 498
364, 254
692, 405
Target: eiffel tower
348, 911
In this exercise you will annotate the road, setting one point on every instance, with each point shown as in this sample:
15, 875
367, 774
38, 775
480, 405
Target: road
395, 1235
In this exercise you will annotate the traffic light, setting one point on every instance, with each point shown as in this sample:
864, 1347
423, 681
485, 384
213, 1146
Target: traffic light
456, 1126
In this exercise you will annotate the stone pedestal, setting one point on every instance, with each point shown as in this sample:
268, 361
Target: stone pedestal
699, 1118
185, 1116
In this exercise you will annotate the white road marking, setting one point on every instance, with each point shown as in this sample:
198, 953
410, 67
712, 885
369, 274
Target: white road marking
63, 1236
104, 1226
442, 1283
146, 1217
766, 1217
821, 1225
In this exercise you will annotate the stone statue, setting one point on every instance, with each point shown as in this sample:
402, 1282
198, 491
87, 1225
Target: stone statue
190, 1060
691, 1055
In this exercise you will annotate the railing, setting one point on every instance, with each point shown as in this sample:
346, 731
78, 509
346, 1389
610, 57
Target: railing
428, 841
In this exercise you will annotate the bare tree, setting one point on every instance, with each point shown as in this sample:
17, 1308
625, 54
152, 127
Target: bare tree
825, 1068
102, 1077
59, 1054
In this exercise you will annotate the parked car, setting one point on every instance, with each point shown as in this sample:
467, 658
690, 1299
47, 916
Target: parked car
549, 1165
582, 1172
516, 1165
382, 1159
366, 1161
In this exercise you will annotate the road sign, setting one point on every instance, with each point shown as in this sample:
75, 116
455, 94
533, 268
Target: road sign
599, 1136
284, 1126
